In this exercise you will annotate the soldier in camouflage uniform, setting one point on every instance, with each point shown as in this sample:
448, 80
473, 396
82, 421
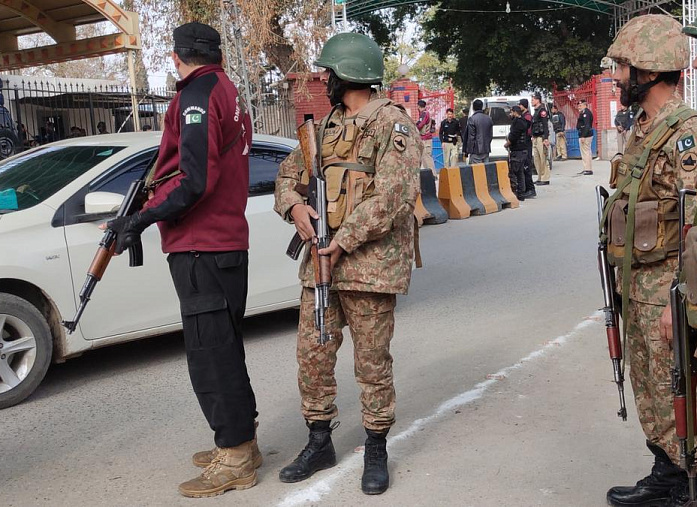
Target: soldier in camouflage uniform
642, 217
372, 252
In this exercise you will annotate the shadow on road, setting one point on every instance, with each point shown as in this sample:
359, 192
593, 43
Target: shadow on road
122, 358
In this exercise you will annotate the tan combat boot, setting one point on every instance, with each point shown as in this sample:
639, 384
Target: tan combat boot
232, 468
204, 458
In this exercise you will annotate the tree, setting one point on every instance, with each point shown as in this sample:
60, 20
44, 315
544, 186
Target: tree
534, 46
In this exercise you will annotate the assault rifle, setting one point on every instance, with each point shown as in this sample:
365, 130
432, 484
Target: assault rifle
316, 193
607, 280
135, 197
684, 382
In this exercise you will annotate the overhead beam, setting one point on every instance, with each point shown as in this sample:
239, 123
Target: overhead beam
8, 42
125, 21
60, 32
66, 51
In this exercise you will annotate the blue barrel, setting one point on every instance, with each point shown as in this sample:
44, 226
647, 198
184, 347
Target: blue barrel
573, 148
437, 153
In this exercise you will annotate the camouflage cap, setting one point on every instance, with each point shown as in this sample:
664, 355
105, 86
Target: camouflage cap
653, 42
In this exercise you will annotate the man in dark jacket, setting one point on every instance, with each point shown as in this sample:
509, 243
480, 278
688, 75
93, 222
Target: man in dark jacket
449, 132
517, 144
584, 125
559, 125
529, 183
198, 202
480, 132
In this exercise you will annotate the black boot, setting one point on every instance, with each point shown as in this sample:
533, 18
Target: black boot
652, 490
318, 454
376, 478
680, 496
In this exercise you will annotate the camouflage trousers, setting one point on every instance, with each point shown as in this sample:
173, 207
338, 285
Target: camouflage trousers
651, 361
370, 317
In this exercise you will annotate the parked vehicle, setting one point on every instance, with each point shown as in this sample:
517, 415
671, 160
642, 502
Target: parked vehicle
53, 199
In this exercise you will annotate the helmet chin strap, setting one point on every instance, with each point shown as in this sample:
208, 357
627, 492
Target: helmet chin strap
636, 91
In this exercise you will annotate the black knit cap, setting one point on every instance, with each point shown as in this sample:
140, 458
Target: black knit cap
197, 36
524, 103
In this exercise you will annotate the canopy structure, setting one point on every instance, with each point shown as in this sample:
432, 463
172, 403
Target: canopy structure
58, 19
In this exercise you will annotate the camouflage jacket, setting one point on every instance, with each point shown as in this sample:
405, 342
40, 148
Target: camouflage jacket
673, 169
378, 236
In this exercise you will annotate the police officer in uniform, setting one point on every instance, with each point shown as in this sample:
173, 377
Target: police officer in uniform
449, 133
517, 144
540, 141
530, 191
650, 52
372, 251
198, 201
584, 125
559, 125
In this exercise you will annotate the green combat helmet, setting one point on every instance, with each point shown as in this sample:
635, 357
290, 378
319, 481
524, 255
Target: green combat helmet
353, 57
653, 43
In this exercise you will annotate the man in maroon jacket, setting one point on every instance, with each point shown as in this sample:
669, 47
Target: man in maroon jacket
199, 200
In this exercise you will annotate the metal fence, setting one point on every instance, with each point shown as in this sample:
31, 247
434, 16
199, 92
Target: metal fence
34, 112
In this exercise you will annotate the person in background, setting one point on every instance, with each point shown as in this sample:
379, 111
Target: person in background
449, 133
584, 125
478, 135
517, 144
101, 128
463, 128
540, 139
424, 127
529, 183
623, 124
559, 125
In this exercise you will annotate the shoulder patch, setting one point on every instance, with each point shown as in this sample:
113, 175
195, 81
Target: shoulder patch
399, 143
688, 162
400, 128
193, 114
686, 143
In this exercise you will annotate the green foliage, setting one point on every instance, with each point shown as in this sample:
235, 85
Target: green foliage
517, 51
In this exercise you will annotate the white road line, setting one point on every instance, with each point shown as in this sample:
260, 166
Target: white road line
323, 486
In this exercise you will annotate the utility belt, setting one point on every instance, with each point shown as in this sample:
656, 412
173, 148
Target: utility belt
450, 139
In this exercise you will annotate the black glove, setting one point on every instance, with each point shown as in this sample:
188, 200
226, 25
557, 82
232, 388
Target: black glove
128, 230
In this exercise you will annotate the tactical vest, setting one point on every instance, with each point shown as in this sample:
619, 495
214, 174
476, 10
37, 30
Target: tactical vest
347, 165
641, 224
642, 227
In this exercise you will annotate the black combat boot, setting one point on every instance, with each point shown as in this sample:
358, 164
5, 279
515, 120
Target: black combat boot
376, 478
652, 490
680, 496
318, 454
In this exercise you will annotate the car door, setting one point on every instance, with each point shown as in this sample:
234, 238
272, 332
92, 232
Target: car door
273, 276
127, 300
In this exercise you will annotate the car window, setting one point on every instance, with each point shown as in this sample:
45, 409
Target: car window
263, 167
499, 112
27, 180
120, 180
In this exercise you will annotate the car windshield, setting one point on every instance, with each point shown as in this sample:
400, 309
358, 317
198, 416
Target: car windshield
500, 112
29, 179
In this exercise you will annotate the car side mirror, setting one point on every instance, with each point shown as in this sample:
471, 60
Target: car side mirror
102, 203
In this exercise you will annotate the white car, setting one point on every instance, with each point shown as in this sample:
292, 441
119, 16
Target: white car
52, 201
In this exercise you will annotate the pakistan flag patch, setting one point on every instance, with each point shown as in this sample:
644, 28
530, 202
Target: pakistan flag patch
686, 143
193, 115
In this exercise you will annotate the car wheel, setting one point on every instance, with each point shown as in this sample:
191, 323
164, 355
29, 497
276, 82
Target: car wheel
25, 349
8, 143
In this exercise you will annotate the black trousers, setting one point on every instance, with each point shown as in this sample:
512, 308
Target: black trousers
529, 166
516, 171
212, 290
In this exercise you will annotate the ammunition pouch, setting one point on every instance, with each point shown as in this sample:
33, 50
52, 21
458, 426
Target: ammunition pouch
656, 233
538, 128
346, 189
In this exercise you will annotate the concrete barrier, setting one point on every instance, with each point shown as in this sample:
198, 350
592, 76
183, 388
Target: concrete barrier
474, 178
429, 199
450, 193
497, 176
